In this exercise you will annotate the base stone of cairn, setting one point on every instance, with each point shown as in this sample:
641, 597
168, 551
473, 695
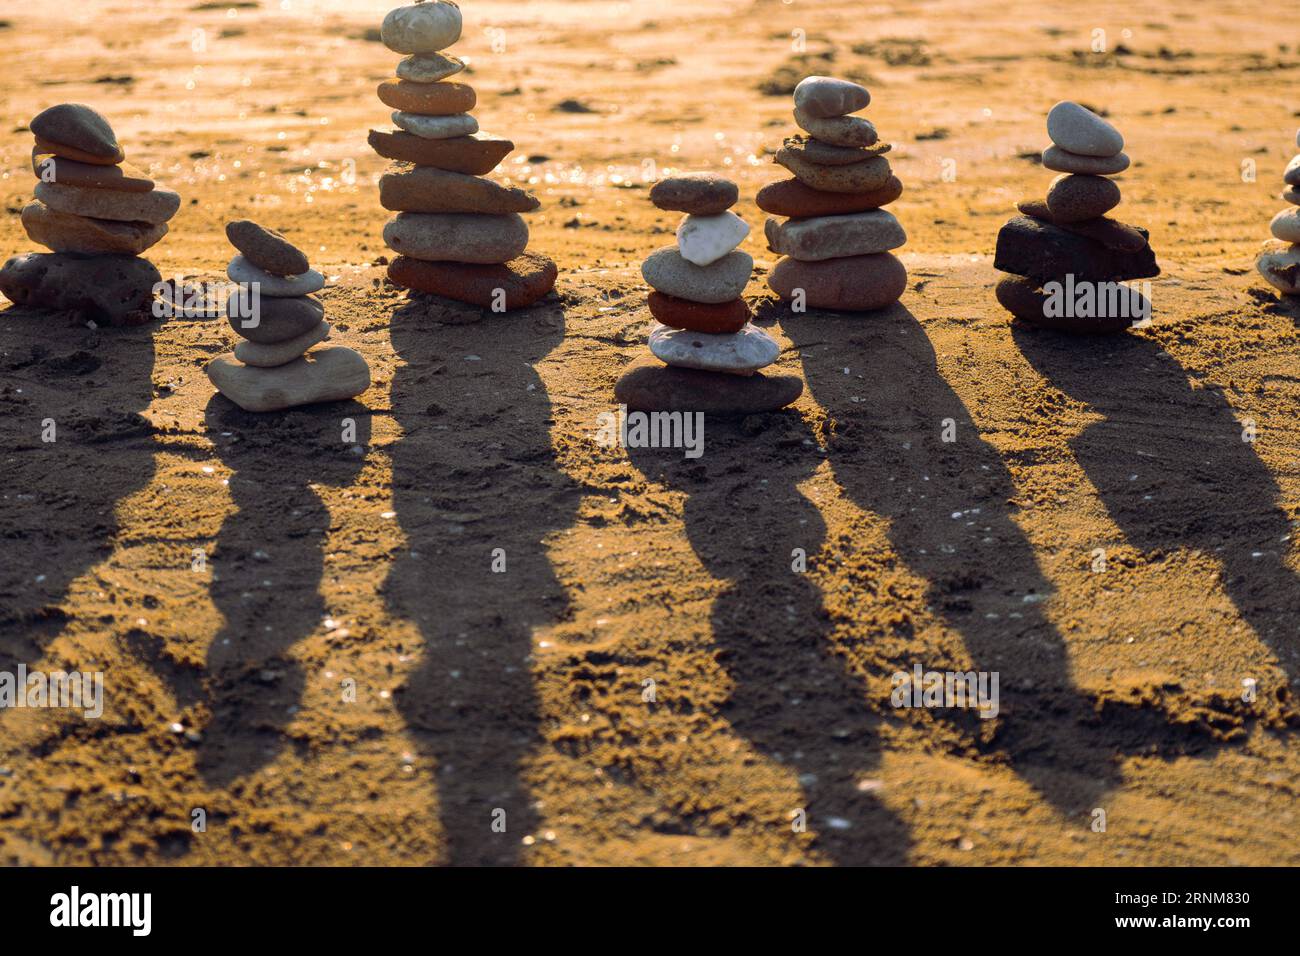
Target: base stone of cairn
457, 235
707, 356
98, 214
1279, 262
280, 320
1065, 258
835, 245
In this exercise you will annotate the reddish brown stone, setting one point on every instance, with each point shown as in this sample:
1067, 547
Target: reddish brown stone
476, 155
851, 284
523, 280
68, 172
428, 99
789, 197
71, 152
698, 316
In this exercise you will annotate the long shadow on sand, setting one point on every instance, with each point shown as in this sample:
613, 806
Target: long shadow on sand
1171, 466
793, 698
59, 499
267, 570
475, 484
951, 523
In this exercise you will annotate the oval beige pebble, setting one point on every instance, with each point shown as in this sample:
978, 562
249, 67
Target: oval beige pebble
457, 237
276, 287
825, 96
436, 127
263, 355
66, 232
325, 375
864, 177
837, 130
835, 237
666, 271
1080, 130
1286, 225
1075, 198
853, 284
429, 68
156, 206
1279, 263
740, 353
421, 28
1063, 161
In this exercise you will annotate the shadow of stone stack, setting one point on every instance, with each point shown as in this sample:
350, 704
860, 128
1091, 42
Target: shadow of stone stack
836, 242
98, 214
1065, 256
710, 353
274, 311
457, 235
1279, 262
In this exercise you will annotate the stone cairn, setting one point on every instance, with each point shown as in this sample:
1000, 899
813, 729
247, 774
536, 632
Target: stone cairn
274, 311
457, 235
711, 352
98, 214
835, 245
1279, 263
1069, 240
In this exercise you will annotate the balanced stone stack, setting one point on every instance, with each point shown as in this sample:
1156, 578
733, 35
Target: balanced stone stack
456, 234
1070, 240
1279, 263
97, 213
710, 353
836, 242
275, 313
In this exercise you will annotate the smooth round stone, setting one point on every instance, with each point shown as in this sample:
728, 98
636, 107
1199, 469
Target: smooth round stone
706, 239
325, 375
664, 270
1062, 161
700, 194
1279, 263
1075, 198
476, 155
67, 232
457, 237
1079, 130
1291, 175
123, 177
408, 188
516, 284
837, 130
1292, 195
853, 284
421, 28
428, 99
436, 127
789, 197
739, 353
242, 270
1026, 300
825, 96
111, 290
269, 320
1286, 225
835, 237
824, 154
267, 249
648, 386
698, 316
78, 129
866, 176
157, 206
429, 67
281, 353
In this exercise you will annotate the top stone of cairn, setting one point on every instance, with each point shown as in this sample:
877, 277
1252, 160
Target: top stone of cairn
422, 28
81, 128
825, 97
1079, 130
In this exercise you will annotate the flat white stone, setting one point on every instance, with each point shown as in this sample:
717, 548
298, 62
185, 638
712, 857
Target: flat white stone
276, 287
706, 239
835, 237
1079, 130
826, 96
156, 206
326, 375
1279, 263
421, 28
740, 353
261, 355
436, 127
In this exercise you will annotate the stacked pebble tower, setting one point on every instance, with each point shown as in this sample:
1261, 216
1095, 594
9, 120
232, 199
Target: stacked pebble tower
274, 311
1070, 235
456, 235
1279, 263
97, 213
711, 352
836, 242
